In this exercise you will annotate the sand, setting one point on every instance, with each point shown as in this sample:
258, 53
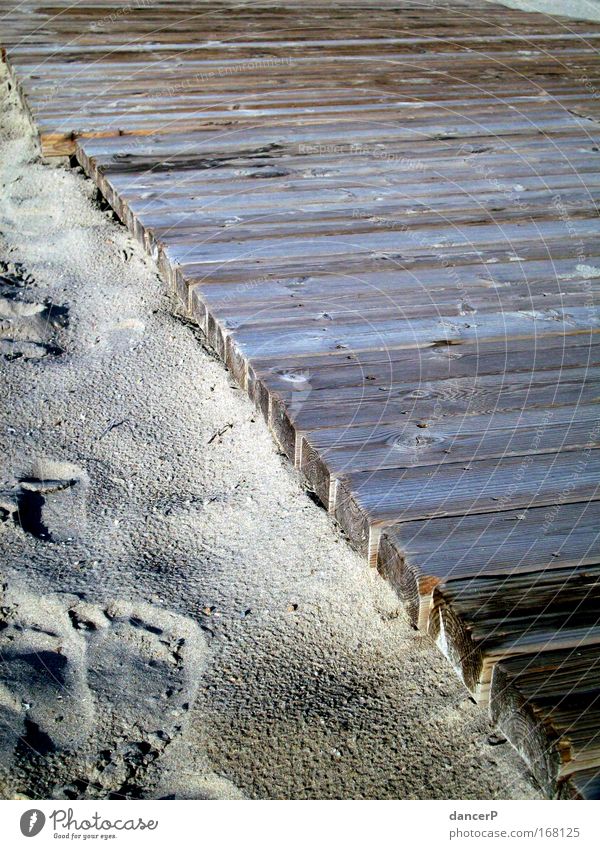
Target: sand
179, 619
577, 9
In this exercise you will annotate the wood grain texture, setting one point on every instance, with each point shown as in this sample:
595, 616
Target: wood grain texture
551, 703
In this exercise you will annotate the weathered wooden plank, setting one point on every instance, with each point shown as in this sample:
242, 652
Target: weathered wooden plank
338, 452
417, 556
436, 400
385, 367
367, 502
549, 705
479, 621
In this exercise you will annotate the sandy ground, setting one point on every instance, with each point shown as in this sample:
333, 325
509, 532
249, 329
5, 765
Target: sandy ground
178, 617
580, 9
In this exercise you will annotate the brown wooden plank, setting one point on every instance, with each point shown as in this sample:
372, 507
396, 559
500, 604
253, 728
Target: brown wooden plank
417, 556
479, 621
549, 705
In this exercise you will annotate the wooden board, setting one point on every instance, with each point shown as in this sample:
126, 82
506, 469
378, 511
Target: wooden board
384, 217
418, 556
551, 703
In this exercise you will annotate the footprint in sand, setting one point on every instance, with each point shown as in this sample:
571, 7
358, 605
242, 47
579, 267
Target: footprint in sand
29, 330
144, 667
49, 503
108, 686
45, 702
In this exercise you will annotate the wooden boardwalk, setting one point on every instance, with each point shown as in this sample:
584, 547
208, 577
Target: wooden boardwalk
384, 217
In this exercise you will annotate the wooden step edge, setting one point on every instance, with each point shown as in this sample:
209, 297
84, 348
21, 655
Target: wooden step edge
583, 784
588, 759
536, 741
473, 662
547, 751
333, 493
66, 143
315, 471
413, 588
57, 144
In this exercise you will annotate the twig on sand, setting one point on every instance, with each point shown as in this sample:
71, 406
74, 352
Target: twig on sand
220, 432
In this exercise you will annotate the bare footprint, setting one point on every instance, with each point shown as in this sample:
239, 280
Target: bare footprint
144, 668
50, 502
45, 702
106, 687
28, 329
147, 663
